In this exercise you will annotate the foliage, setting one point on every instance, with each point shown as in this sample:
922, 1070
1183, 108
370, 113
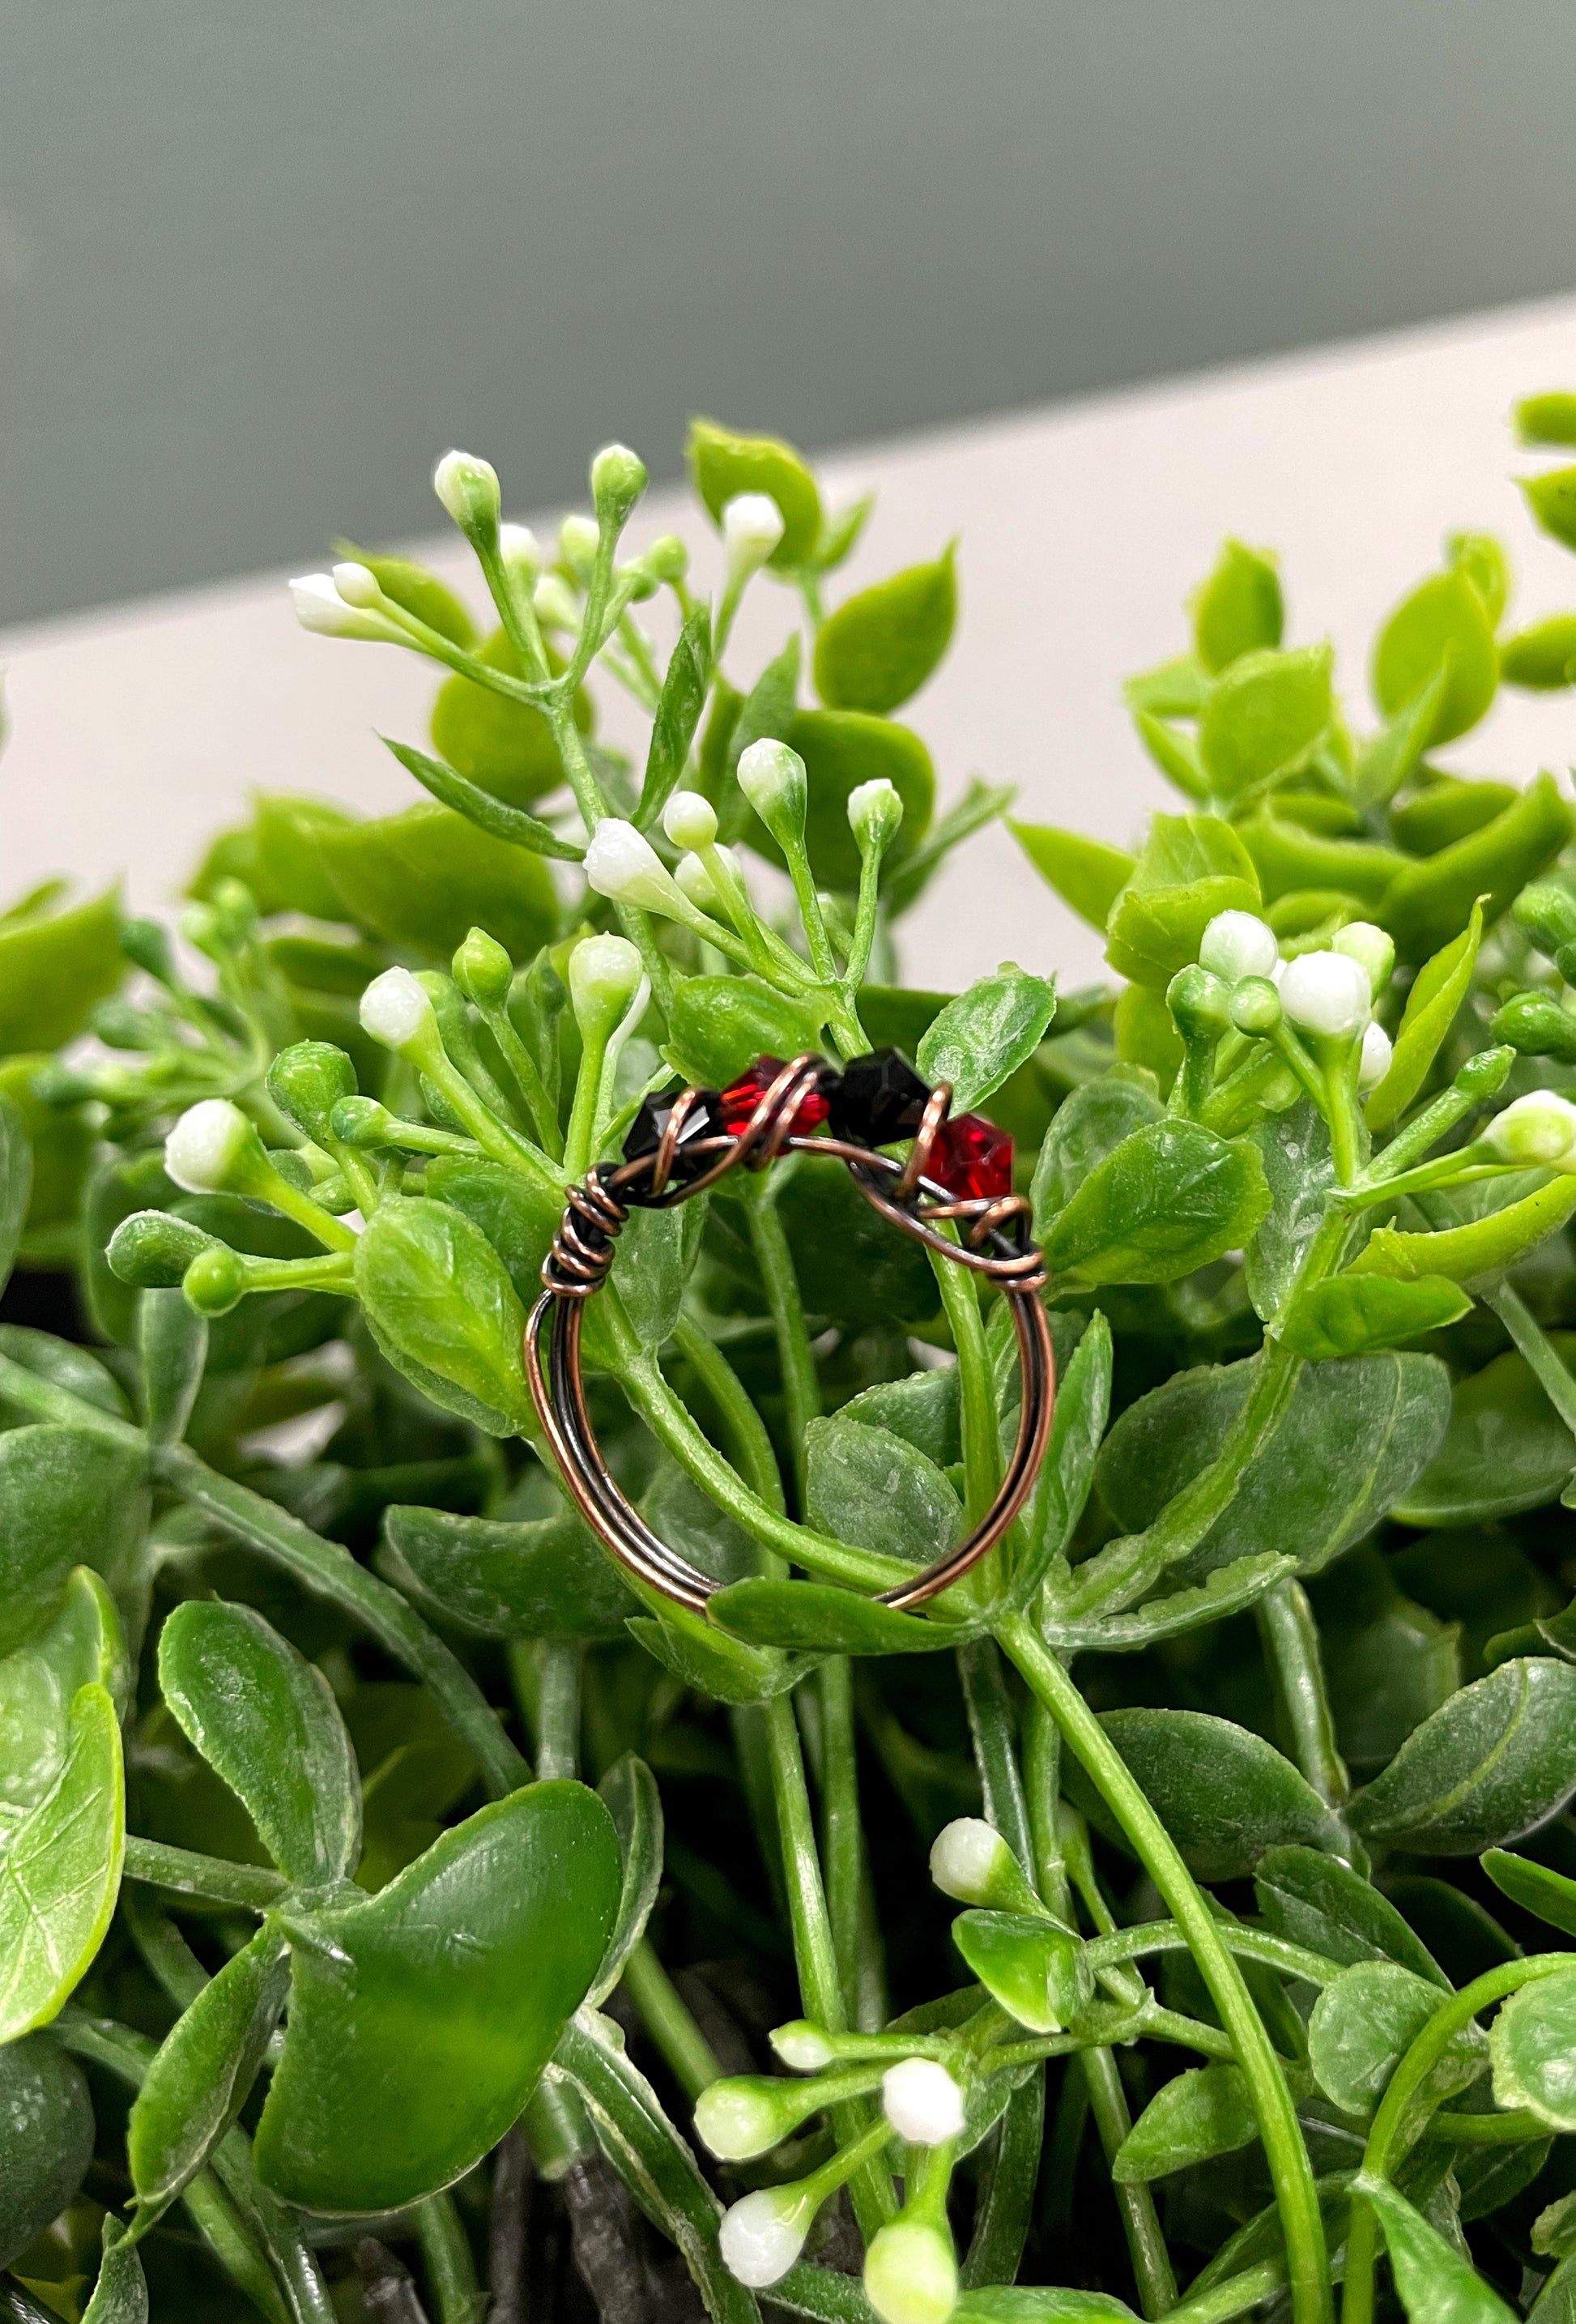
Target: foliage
368, 1846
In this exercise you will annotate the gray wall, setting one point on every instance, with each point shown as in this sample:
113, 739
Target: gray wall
259, 264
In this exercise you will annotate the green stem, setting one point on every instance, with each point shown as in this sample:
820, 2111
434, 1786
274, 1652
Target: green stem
1042, 1784
780, 1282
748, 1440
1290, 1637
815, 1953
528, 1075
1287, 2156
842, 1837
1399, 2121
689, 2056
1235, 2296
960, 1301
1250, 1944
185, 1874
445, 2253
1152, 2270
557, 1728
1533, 1341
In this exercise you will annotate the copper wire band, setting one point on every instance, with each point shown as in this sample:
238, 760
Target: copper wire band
582, 1253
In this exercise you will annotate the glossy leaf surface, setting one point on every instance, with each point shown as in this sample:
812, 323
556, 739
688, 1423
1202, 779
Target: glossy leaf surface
1169, 1199
46, 2138
60, 1872
1362, 2024
1314, 1900
1355, 1314
1532, 2046
986, 1033
1494, 1762
1206, 2111
206, 2067
546, 1578
879, 647
1436, 2285
1506, 1448
442, 1308
1088, 874
1224, 1794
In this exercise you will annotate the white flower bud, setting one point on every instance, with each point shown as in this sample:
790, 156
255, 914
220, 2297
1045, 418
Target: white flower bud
577, 542
923, 2103
1377, 952
623, 866
1374, 1061
875, 810
910, 2275
206, 1144
1236, 945
752, 527
762, 2234
521, 549
359, 585
665, 558
689, 820
557, 607
319, 607
468, 489
395, 1010
802, 2046
772, 778
738, 2119
1540, 1127
1327, 993
604, 975
618, 478
968, 1859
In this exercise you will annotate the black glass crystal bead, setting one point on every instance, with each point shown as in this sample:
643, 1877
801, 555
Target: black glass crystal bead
703, 1120
878, 1099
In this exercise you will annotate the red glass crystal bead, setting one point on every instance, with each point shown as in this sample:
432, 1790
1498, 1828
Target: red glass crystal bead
740, 1099
972, 1158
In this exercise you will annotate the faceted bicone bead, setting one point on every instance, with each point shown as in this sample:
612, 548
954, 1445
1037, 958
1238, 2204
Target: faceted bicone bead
972, 1158
703, 1120
742, 1097
878, 1099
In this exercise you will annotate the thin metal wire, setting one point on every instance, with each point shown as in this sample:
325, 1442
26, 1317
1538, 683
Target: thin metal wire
994, 1243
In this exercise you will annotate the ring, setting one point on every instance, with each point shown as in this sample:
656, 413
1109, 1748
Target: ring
958, 1171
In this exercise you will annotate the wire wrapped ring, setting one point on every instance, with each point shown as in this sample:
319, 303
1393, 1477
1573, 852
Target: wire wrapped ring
683, 1141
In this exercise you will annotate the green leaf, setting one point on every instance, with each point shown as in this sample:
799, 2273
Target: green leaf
441, 1306
1315, 1900
52, 971
517, 1215
1037, 2303
922, 1409
1390, 757
1174, 752
1446, 811
1088, 874
1289, 859
1506, 1449
1174, 689
1036, 1970
15, 1182
1429, 902
63, 1365
1145, 1034
287, 833
204, 2072
1483, 560
879, 647
1362, 2024
869, 1489
1263, 718
505, 747
547, 1579
419, 592
678, 714
65, 1491
1552, 500
1432, 1005
1225, 1590
173, 1344
407, 2055
1532, 2045
424, 879
1067, 1473
1088, 1125
842, 749
1204, 2112
60, 1872
1548, 418
1494, 1762
81, 1644
1299, 1170
852, 1268
1436, 2285
1388, 1661
1225, 1796
986, 1033
711, 1661
266, 1721
1483, 1245
1541, 656
120, 2296
1168, 1199
1356, 1436
1537, 1888
1191, 867
812, 1618
719, 1025
1239, 610
722, 465
1443, 624
490, 813
1352, 1314
629, 1792
46, 2139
